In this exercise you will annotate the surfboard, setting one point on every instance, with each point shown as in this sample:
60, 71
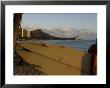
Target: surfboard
56, 60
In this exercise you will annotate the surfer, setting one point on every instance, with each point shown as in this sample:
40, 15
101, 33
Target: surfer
93, 52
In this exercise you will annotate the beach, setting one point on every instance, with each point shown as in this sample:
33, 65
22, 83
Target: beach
53, 59
24, 68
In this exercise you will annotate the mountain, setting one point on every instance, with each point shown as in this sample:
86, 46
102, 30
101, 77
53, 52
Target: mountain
39, 34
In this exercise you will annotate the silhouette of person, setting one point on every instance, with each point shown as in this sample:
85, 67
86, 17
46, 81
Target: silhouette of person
93, 64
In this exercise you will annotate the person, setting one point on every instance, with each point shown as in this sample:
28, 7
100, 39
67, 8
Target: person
93, 64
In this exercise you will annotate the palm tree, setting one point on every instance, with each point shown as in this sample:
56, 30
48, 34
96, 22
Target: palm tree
17, 20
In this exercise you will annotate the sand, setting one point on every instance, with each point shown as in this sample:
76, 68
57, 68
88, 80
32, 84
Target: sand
24, 68
54, 59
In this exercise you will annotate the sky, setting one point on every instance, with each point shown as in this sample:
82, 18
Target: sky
62, 24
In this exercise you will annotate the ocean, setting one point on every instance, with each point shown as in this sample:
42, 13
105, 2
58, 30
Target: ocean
82, 45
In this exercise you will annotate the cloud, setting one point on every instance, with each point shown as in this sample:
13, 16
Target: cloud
71, 32
68, 30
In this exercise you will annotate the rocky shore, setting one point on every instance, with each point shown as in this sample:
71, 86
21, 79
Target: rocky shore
25, 68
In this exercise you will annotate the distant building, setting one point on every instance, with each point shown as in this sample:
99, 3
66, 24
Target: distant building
76, 38
28, 33
25, 33
19, 33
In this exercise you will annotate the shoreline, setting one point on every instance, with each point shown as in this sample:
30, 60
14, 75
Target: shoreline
77, 44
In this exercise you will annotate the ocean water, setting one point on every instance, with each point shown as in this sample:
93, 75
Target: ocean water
82, 45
